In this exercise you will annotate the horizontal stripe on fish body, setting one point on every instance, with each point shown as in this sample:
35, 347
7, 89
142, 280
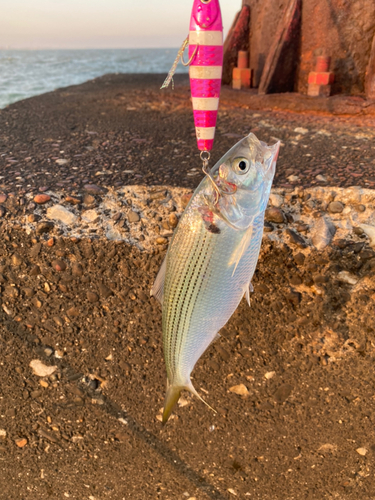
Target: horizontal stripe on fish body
205, 72
205, 88
206, 55
205, 103
206, 37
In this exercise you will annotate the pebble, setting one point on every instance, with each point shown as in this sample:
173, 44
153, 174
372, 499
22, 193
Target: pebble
276, 200
2, 211
269, 375
104, 291
61, 214
323, 233
21, 442
77, 269
88, 199
335, 207
16, 260
276, 215
3, 198
293, 178
240, 390
44, 227
35, 271
90, 216
161, 241
92, 297
133, 216
59, 265
185, 198
93, 188
282, 393
296, 239
62, 161
321, 178
40, 199
173, 220
40, 369
361, 451
73, 200
346, 277
3, 433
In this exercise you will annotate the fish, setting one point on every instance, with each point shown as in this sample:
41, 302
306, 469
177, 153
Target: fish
205, 68
205, 41
211, 258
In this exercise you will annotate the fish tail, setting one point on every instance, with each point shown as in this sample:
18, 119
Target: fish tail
173, 395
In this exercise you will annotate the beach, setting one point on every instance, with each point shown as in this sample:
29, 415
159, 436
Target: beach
93, 181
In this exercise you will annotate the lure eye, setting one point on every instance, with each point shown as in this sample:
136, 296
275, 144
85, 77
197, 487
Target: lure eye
205, 1
241, 165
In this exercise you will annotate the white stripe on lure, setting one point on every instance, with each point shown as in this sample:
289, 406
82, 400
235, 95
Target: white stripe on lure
212, 258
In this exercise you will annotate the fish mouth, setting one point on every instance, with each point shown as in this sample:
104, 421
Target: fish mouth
221, 186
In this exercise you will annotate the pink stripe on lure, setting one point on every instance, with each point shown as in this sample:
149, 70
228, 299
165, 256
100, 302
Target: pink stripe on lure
206, 40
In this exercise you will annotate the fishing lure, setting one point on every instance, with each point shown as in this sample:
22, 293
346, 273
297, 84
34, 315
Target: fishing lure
205, 63
212, 258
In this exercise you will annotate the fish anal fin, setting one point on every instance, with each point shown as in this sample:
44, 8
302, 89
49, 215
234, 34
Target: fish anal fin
249, 289
173, 395
157, 290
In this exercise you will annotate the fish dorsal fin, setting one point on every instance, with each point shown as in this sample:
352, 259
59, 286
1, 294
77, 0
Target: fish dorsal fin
241, 249
157, 290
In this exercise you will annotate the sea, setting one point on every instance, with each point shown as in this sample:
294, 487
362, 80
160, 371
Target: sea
26, 73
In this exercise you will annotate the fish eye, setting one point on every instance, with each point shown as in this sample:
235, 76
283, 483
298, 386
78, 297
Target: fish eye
241, 165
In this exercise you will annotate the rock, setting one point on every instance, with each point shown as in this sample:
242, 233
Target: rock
77, 269
73, 200
88, 199
90, 216
62, 161
2, 211
133, 216
185, 198
361, 451
321, 178
276, 215
323, 233
44, 227
296, 239
223, 353
92, 297
40, 369
104, 290
40, 199
16, 260
335, 207
173, 220
3, 198
59, 265
61, 214
240, 389
93, 188
161, 241
282, 393
293, 178
21, 442
269, 375
262, 288
301, 130
73, 312
276, 200
3, 433
346, 277
35, 271
294, 297
370, 231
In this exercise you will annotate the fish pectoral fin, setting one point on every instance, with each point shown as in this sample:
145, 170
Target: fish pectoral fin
249, 289
241, 248
157, 290
173, 395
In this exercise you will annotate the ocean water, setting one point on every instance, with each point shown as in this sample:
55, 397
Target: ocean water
25, 73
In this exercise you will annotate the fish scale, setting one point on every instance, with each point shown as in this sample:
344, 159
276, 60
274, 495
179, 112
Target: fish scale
207, 272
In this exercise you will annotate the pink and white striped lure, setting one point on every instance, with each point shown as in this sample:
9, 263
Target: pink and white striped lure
205, 68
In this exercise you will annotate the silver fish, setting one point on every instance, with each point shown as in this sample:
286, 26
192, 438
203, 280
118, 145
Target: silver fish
212, 258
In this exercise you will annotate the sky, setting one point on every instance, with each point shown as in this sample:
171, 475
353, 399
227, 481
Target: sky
82, 24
